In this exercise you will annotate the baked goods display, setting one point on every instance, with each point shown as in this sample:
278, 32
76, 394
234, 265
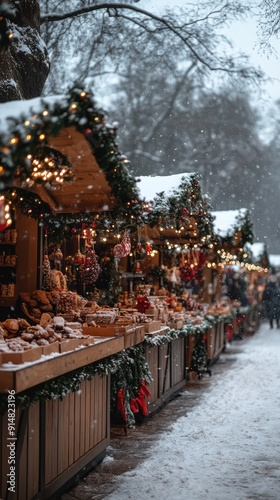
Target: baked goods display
17, 335
55, 317
35, 303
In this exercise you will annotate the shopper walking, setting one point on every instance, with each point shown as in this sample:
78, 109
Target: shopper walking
271, 299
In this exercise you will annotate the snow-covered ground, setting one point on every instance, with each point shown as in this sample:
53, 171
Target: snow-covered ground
227, 447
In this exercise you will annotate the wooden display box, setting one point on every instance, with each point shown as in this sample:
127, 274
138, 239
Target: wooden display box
106, 331
50, 348
177, 325
152, 311
68, 345
89, 340
17, 358
152, 326
134, 336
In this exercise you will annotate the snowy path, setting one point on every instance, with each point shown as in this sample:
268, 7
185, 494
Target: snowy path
228, 446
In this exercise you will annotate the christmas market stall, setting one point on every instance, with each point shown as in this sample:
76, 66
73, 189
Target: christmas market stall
235, 271
261, 265
179, 226
65, 191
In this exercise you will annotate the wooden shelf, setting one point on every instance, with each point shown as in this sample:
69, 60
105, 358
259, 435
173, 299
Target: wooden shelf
7, 301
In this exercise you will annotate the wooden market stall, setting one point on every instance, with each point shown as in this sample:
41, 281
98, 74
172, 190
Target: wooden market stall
60, 392
236, 272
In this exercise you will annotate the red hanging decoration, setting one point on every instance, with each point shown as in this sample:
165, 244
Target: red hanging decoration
149, 248
118, 251
5, 218
126, 244
139, 402
120, 404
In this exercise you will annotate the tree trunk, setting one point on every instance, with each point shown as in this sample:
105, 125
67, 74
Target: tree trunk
24, 65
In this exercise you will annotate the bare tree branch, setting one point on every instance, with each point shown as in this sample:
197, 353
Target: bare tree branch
115, 10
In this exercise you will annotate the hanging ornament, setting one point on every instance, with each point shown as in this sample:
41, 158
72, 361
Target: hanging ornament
79, 257
126, 244
46, 272
69, 260
149, 248
58, 255
5, 217
118, 252
90, 268
173, 277
139, 252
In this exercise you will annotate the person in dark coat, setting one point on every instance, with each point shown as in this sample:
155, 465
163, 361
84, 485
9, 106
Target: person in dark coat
271, 299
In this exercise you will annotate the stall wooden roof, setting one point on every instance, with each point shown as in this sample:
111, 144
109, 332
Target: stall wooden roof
89, 191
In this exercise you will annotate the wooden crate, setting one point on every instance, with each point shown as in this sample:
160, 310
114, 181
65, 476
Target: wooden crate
153, 312
152, 326
18, 358
68, 345
87, 341
106, 331
134, 336
177, 325
50, 348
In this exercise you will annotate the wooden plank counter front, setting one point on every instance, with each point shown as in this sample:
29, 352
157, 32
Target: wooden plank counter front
58, 440
167, 366
215, 341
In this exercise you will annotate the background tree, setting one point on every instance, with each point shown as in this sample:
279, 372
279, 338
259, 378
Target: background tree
268, 214
269, 22
24, 63
149, 106
226, 148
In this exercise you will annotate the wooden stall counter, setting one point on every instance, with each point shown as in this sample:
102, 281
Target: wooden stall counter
20, 377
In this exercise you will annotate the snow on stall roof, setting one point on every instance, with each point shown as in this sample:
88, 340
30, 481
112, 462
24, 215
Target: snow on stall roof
16, 109
226, 219
151, 185
274, 260
256, 248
